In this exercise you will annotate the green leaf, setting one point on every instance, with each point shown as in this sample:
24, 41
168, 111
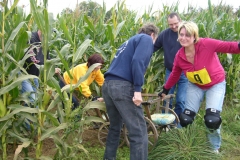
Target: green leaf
65, 30
4, 125
95, 104
54, 102
49, 66
11, 9
18, 110
52, 131
12, 36
38, 16
15, 83
51, 117
119, 27
81, 50
12, 134
21, 45
90, 24
62, 52
52, 82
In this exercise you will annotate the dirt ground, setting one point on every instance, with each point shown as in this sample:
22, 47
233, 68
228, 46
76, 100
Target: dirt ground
89, 137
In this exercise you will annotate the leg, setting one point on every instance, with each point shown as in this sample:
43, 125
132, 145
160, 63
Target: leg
181, 94
115, 124
28, 87
171, 91
194, 96
36, 84
214, 99
121, 93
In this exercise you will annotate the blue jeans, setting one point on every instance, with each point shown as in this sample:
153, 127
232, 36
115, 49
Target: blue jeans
181, 87
27, 86
214, 99
118, 96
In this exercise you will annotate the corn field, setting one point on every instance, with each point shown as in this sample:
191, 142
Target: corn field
70, 38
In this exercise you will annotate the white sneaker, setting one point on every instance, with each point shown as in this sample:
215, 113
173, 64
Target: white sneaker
216, 151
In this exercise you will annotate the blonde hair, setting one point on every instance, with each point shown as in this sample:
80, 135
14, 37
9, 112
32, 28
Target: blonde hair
191, 28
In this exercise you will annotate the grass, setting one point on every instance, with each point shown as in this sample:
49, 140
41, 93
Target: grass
187, 143
98, 152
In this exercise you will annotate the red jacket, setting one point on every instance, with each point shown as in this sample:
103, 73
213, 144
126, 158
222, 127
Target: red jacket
205, 58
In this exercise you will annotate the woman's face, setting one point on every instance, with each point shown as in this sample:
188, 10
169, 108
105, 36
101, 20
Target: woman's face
185, 38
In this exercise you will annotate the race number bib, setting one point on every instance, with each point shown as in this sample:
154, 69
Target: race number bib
200, 77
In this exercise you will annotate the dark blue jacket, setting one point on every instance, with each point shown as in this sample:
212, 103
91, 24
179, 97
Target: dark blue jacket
131, 61
167, 40
29, 64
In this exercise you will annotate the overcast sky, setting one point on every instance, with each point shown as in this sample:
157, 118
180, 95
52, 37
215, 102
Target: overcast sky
56, 6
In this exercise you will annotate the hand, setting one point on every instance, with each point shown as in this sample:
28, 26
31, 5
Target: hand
163, 93
57, 70
137, 99
100, 99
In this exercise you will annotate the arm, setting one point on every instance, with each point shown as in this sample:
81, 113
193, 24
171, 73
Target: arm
158, 42
99, 78
222, 46
140, 61
172, 80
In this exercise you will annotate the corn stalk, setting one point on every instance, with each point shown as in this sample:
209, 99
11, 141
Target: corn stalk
42, 21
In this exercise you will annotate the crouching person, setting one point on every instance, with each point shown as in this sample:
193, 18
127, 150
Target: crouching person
80, 70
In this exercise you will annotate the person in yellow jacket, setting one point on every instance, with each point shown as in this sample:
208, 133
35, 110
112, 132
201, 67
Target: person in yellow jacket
79, 71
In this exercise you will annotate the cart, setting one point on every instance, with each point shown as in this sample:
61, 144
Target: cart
153, 108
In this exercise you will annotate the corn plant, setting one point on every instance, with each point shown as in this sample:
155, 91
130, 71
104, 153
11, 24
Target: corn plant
13, 41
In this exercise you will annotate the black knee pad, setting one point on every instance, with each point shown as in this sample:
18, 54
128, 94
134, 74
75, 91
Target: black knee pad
212, 118
186, 117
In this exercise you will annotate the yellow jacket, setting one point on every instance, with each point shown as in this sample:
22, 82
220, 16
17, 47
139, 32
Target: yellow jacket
79, 71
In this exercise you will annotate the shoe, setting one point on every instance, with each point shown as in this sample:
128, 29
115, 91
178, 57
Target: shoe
216, 151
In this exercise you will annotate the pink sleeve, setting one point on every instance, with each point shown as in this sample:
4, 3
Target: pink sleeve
221, 46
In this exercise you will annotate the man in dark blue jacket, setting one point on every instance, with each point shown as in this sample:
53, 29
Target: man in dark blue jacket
37, 58
122, 93
30, 64
168, 41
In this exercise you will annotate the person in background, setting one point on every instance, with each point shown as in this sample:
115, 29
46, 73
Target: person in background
37, 58
122, 93
80, 70
167, 40
199, 61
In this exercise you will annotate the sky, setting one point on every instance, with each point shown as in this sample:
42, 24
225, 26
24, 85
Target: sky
56, 6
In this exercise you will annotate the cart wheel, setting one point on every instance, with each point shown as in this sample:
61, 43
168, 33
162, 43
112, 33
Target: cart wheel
168, 127
103, 132
152, 134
